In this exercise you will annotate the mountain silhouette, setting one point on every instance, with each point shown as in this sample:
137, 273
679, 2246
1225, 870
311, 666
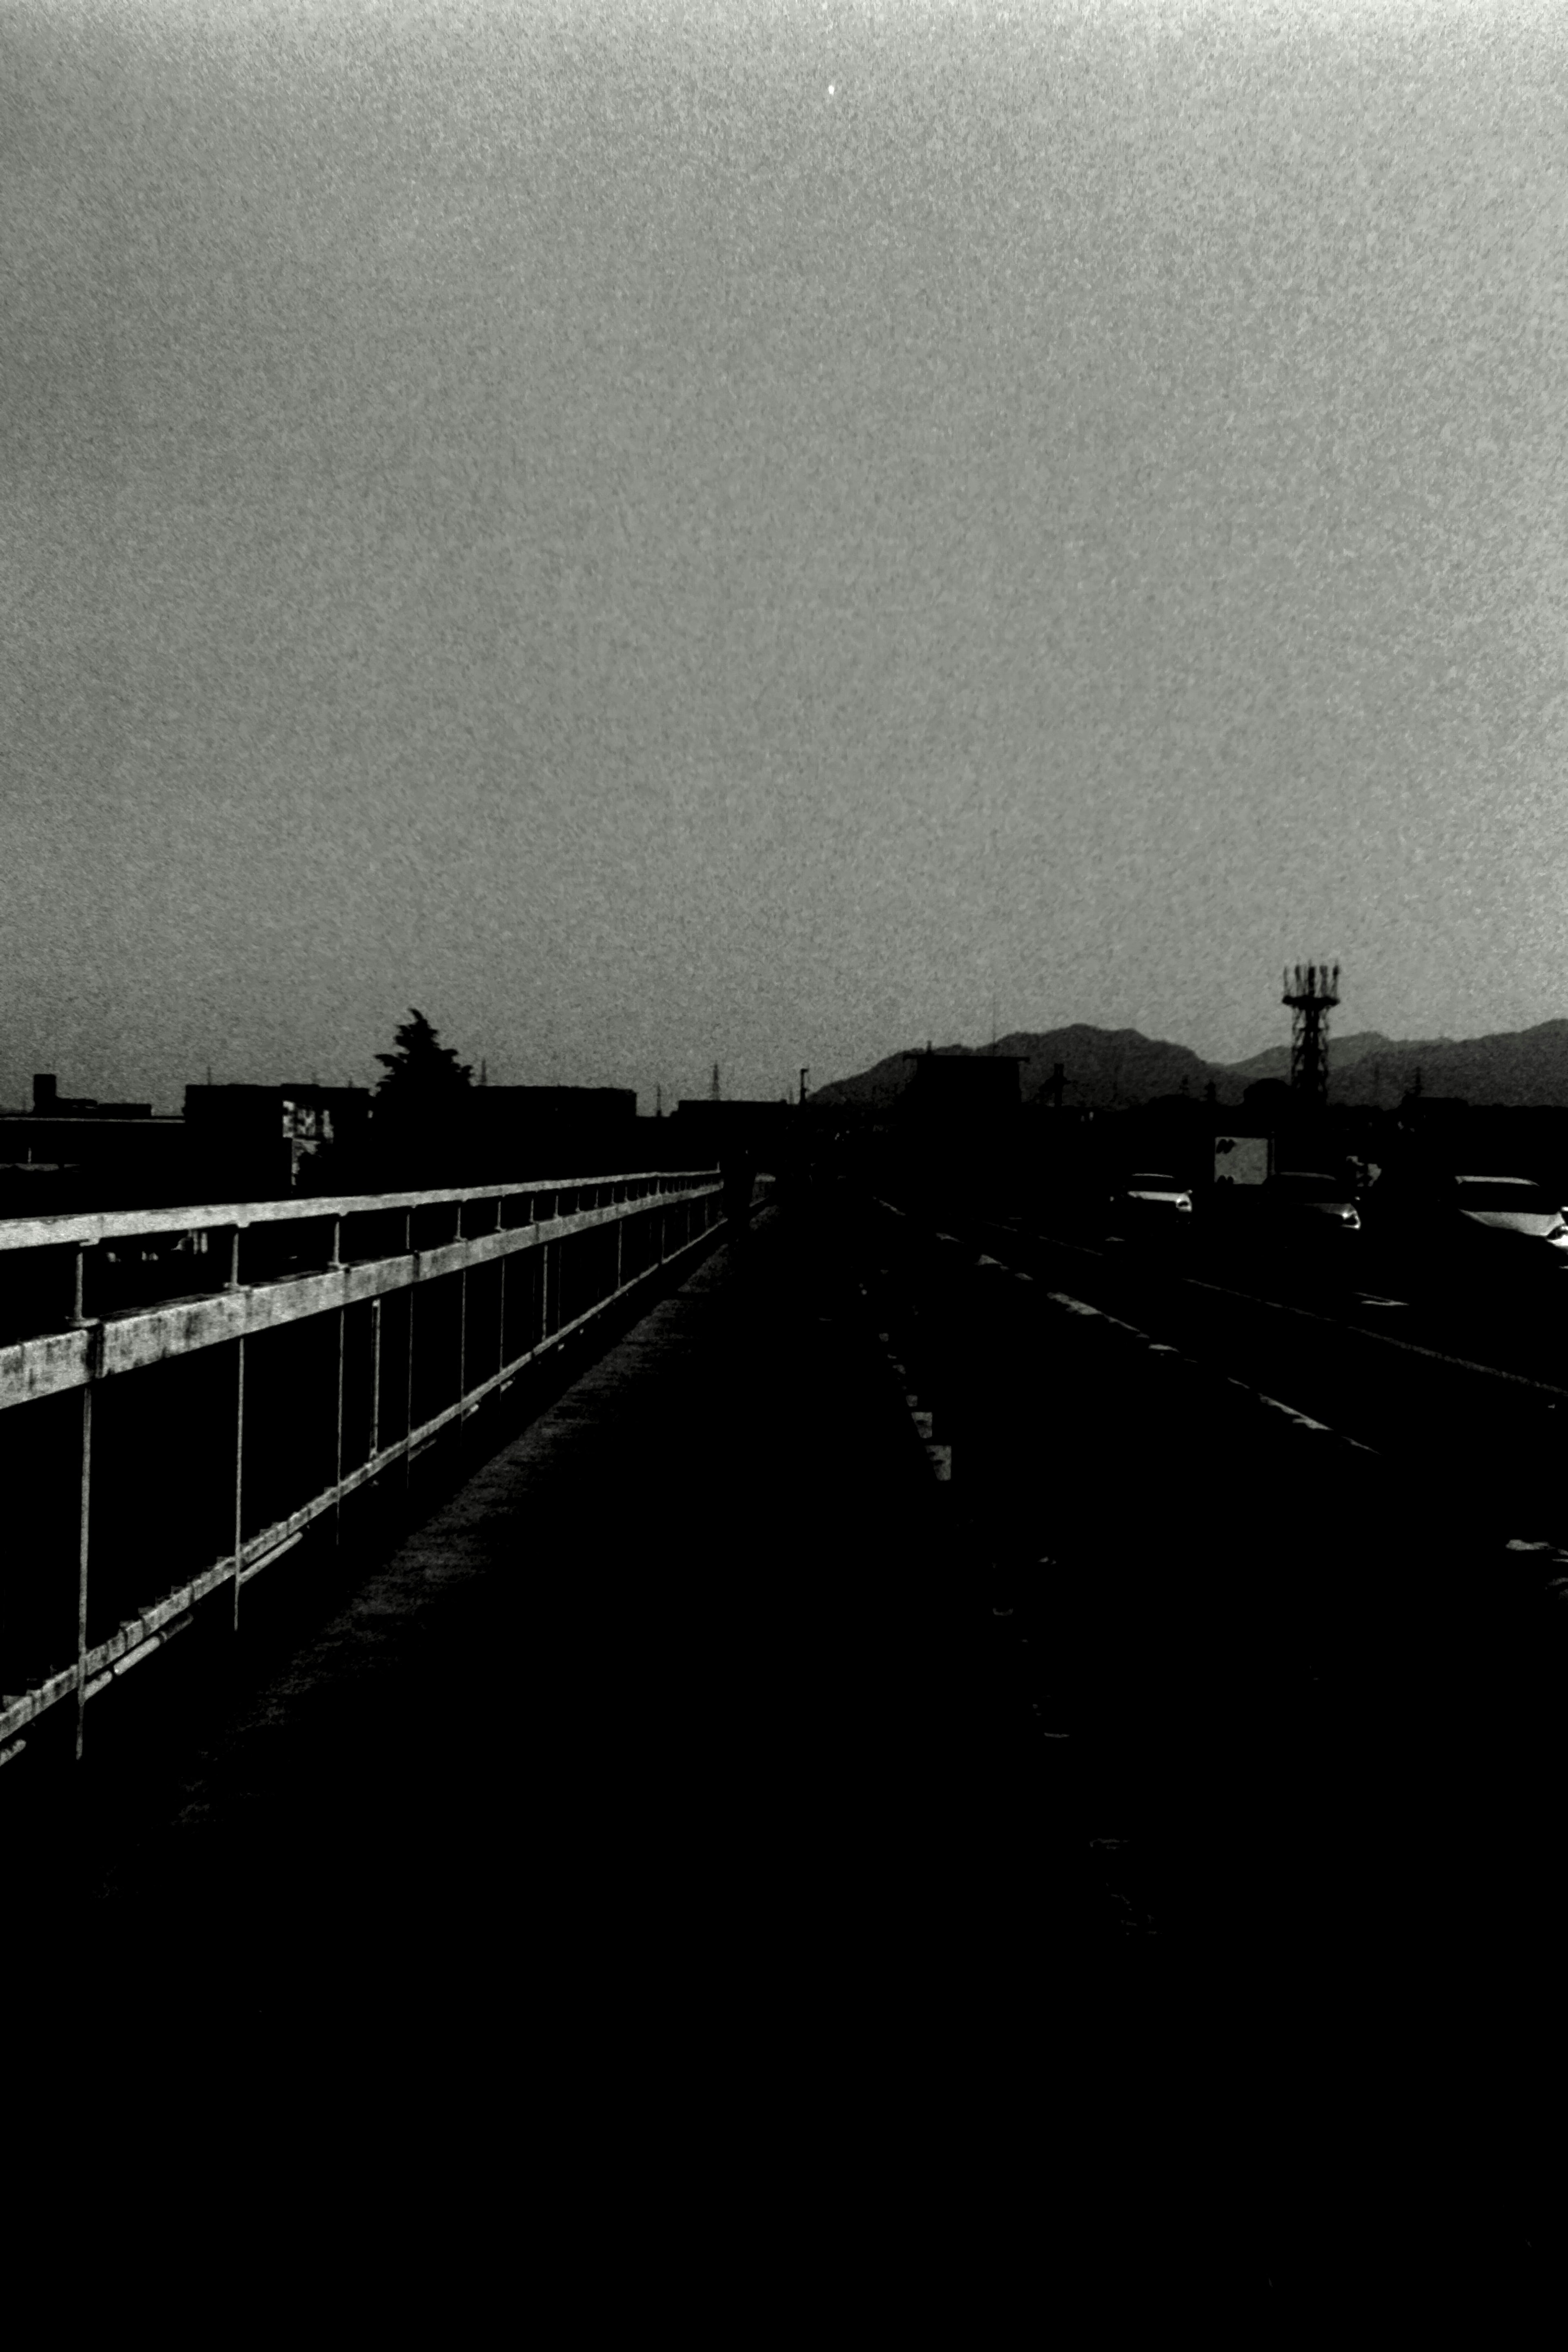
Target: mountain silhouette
1511, 1068
1274, 1062
1102, 1068
1106, 1068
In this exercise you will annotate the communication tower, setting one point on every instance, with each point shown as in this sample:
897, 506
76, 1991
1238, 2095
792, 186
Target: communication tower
1316, 991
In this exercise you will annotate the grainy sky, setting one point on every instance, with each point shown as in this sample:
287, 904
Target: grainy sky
677, 530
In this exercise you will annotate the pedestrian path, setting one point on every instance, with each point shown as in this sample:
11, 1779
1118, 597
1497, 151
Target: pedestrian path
687, 1656
664, 1782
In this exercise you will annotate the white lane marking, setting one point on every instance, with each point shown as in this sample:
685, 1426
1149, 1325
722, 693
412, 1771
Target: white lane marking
1333, 1322
1378, 1339
1162, 1347
1303, 1420
1016, 1272
1082, 1307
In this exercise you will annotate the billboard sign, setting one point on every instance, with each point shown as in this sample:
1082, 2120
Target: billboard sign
1241, 1159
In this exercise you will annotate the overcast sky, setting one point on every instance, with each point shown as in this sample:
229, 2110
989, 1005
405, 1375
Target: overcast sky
688, 530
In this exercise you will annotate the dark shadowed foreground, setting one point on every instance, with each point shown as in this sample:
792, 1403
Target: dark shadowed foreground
656, 1858
655, 1814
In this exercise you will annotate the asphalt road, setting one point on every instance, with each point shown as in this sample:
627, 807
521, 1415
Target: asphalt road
669, 1813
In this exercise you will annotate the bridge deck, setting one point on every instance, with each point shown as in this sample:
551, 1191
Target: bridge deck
679, 1706
665, 1782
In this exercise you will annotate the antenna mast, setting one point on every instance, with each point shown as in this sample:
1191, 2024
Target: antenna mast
1315, 992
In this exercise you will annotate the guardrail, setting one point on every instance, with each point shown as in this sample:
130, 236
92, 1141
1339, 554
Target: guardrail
184, 1392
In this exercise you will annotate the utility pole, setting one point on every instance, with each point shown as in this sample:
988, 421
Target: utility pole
659, 1102
804, 1075
713, 1095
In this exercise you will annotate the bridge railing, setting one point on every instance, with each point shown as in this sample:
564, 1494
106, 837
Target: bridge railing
185, 1391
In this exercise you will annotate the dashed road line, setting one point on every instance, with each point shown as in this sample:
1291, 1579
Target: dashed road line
1163, 1347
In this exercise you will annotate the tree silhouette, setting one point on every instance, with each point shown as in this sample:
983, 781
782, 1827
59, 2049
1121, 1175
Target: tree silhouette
422, 1073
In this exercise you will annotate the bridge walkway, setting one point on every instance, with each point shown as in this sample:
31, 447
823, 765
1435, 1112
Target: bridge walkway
673, 1749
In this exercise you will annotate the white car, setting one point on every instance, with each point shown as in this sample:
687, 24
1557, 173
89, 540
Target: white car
1495, 1220
1149, 1198
1511, 1205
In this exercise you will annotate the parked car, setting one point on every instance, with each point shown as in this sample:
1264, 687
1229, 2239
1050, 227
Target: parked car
1495, 1224
1149, 1201
1299, 1205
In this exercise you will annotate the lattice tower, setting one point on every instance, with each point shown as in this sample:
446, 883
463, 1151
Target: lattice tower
1315, 991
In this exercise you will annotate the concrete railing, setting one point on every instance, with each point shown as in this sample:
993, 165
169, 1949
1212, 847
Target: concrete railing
191, 1389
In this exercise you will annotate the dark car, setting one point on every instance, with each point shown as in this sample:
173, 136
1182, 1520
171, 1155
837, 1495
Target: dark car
1306, 1207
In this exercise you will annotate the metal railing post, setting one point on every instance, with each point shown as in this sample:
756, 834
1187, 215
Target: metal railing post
462, 1343
334, 1266
239, 1471
82, 1321
375, 1376
232, 1282
408, 1419
78, 1284
83, 1529
338, 1471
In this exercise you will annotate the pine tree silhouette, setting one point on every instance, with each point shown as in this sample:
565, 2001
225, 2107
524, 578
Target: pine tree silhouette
422, 1071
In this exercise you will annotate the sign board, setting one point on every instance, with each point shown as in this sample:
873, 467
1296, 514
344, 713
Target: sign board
305, 1128
1241, 1159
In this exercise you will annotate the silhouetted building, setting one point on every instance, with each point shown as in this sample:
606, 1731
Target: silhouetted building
495, 1135
958, 1124
261, 1143
705, 1133
50, 1165
949, 1091
521, 1131
49, 1103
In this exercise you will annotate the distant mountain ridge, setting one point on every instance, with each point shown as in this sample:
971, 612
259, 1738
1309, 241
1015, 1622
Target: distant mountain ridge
1101, 1067
1105, 1069
1514, 1068
1274, 1062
